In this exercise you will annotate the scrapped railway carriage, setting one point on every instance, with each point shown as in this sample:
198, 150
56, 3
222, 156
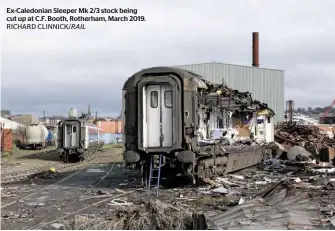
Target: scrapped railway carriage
35, 136
76, 137
168, 111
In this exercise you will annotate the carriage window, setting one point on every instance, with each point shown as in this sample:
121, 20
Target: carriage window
168, 99
74, 129
154, 99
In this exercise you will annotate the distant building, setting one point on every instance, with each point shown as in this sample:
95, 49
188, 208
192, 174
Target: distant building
53, 120
26, 119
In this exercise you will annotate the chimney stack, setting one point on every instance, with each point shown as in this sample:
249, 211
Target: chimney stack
255, 49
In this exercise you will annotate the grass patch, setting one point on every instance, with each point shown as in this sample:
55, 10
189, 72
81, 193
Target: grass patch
18, 152
6, 154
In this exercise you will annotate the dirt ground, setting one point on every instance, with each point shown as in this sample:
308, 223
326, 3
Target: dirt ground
100, 193
52, 194
22, 163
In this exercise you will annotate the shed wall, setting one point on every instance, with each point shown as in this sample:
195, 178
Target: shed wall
266, 85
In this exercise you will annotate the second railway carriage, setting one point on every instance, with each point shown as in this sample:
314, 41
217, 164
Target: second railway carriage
75, 137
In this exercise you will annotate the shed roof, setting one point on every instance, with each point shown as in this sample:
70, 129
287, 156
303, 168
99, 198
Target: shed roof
219, 63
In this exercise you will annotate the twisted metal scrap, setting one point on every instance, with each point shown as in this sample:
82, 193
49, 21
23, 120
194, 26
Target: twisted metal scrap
243, 98
295, 133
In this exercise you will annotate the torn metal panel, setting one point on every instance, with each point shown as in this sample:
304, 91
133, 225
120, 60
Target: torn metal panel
243, 157
220, 103
275, 208
228, 158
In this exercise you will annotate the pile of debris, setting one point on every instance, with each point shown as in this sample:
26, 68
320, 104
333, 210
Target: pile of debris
277, 207
297, 134
50, 174
309, 143
148, 214
243, 100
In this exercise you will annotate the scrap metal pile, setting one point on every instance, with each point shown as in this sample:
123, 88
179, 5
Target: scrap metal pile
276, 207
296, 134
222, 95
231, 147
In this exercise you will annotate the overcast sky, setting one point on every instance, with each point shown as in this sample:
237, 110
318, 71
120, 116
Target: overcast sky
56, 70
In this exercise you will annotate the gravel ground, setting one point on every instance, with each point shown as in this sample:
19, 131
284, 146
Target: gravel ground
48, 198
24, 163
27, 160
102, 194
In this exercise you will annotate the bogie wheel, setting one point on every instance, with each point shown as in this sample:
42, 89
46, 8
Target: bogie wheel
81, 158
145, 174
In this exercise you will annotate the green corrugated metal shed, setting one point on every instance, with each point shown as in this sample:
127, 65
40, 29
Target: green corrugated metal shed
266, 85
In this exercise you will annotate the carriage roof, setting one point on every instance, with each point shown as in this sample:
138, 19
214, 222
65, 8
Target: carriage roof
185, 76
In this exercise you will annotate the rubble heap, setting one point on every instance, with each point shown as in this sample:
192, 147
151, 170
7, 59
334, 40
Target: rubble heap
296, 134
219, 92
144, 215
277, 207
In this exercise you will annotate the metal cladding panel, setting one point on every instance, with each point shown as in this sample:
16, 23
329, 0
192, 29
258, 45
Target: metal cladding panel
266, 85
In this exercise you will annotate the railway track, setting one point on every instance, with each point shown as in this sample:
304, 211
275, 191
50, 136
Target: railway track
82, 165
57, 215
44, 224
11, 177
